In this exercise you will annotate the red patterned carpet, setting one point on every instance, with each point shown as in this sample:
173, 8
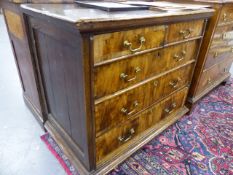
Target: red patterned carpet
197, 144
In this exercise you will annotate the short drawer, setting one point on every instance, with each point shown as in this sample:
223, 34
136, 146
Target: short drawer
113, 140
112, 45
120, 108
226, 15
210, 76
184, 30
122, 74
218, 55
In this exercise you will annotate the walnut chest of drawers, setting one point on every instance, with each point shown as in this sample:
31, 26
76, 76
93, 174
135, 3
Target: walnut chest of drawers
112, 81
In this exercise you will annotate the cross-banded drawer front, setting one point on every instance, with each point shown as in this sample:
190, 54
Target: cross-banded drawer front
223, 37
122, 134
122, 74
121, 107
112, 45
218, 55
186, 30
221, 47
226, 15
210, 76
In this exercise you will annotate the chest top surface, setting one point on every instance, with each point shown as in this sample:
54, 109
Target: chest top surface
80, 16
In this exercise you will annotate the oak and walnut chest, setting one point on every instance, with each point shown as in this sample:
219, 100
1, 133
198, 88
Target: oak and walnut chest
110, 82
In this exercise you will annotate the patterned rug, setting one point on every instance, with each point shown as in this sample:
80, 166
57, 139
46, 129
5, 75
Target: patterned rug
198, 144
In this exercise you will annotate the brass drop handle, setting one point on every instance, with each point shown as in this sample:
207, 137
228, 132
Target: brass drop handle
215, 54
209, 81
186, 33
126, 78
127, 112
155, 83
175, 83
180, 57
127, 136
128, 44
224, 17
171, 108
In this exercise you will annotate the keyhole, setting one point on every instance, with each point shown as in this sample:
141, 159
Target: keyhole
158, 55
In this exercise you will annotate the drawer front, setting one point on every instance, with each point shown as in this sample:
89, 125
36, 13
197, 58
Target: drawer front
133, 70
117, 44
223, 37
226, 15
213, 74
218, 55
186, 30
177, 79
123, 134
122, 107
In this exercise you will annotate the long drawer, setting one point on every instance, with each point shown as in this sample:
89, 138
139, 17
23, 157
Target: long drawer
218, 55
120, 108
116, 44
223, 37
130, 71
210, 76
120, 135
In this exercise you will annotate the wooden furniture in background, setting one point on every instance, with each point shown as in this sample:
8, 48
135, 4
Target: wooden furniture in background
110, 82
216, 54
19, 41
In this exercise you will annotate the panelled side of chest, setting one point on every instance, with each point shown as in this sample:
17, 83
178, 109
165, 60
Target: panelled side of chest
62, 58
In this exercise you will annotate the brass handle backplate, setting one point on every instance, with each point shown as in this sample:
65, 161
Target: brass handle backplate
175, 83
186, 33
128, 44
171, 108
127, 112
180, 57
127, 78
127, 136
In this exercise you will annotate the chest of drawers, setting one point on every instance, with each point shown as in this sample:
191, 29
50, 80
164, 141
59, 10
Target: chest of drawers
112, 81
215, 62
